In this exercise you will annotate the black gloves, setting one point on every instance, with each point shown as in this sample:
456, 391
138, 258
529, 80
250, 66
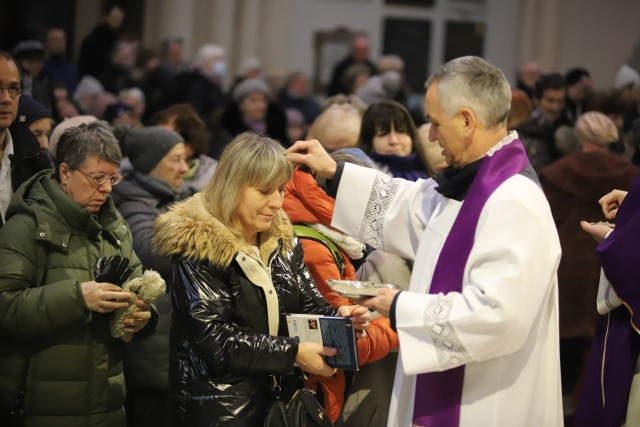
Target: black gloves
112, 269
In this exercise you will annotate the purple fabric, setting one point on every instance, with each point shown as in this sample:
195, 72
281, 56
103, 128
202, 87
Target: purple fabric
616, 346
438, 394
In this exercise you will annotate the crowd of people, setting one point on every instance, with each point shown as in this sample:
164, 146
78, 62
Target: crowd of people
247, 194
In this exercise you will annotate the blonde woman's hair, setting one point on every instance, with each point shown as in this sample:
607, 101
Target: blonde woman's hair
250, 160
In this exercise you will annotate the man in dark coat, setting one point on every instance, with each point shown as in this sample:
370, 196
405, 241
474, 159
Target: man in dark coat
359, 54
20, 155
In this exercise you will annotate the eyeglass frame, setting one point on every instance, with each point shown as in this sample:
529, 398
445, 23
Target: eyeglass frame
9, 89
92, 178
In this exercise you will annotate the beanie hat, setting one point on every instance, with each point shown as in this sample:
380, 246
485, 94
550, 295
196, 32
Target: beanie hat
64, 125
248, 86
115, 110
626, 76
380, 88
28, 49
145, 147
88, 86
250, 63
357, 153
30, 110
596, 128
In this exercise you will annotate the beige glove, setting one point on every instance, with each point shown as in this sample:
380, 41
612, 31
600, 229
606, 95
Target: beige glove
148, 287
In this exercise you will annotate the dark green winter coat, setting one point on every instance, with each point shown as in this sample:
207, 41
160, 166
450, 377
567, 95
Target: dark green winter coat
72, 368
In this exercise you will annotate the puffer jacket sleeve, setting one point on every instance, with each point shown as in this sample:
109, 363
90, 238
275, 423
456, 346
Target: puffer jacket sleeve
322, 266
141, 217
378, 342
26, 308
312, 301
204, 315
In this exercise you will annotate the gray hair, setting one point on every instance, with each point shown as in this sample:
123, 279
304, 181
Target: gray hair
91, 139
472, 82
208, 51
134, 92
250, 160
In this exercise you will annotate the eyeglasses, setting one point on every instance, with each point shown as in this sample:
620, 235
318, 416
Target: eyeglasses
100, 178
13, 91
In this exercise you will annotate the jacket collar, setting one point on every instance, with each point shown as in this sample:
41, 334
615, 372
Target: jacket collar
189, 230
57, 215
305, 201
25, 144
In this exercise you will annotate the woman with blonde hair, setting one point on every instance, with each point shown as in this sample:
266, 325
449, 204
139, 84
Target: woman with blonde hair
238, 268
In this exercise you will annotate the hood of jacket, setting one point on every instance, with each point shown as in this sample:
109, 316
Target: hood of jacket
305, 201
589, 175
140, 187
56, 213
189, 230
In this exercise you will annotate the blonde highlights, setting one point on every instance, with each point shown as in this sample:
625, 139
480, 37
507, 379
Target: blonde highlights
250, 160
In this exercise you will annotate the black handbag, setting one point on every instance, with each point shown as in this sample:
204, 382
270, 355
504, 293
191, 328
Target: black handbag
301, 409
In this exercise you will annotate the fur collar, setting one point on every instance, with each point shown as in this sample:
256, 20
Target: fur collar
189, 230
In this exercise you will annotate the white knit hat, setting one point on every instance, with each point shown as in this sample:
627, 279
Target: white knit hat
626, 76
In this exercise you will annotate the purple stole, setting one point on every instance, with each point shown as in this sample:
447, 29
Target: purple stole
616, 346
438, 394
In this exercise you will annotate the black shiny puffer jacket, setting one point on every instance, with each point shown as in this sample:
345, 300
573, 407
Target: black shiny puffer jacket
229, 329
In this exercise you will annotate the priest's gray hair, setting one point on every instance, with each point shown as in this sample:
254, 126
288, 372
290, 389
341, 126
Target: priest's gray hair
472, 82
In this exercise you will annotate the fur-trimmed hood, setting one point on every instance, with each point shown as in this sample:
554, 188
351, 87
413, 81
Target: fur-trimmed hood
189, 230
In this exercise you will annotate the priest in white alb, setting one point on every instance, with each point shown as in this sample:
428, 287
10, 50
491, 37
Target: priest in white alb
478, 327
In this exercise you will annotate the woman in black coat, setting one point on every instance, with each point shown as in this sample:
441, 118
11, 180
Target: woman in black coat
238, 270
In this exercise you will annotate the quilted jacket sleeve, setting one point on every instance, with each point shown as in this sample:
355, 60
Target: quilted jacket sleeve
205, 320
27, 309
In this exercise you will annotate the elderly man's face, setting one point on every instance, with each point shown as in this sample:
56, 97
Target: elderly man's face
9, 78
448, 131
360, 49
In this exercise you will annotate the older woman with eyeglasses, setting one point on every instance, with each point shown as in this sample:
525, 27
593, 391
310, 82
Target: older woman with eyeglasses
59, 364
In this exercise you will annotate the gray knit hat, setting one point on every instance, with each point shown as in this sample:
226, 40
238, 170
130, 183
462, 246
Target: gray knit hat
145, 147
248, 86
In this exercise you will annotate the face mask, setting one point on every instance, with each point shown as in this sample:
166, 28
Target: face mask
220, 68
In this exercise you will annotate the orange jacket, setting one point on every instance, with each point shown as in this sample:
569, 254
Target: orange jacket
305, 202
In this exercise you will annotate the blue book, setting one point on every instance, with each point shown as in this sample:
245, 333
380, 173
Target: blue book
334, 332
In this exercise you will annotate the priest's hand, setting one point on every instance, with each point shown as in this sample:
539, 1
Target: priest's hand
610, 203
382, 302
597, 230
313, 155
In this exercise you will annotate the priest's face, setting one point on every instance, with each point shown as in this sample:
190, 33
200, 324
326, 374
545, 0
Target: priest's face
447, 131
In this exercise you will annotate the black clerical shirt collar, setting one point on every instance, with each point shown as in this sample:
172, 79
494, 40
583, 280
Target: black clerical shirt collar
454, 183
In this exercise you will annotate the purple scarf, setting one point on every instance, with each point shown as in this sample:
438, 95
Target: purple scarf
616, 346
438, 394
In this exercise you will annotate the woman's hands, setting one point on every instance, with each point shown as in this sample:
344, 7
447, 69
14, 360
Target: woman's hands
310, 355
137, 320
104, 297
309, 358
360, 316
